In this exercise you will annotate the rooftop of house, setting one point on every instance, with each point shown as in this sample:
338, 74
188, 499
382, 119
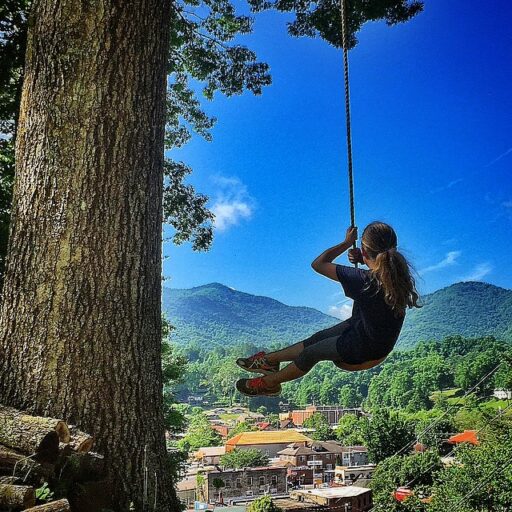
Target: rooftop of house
210, 451
468, 436
333, 492
187, 484
365, 467
319, 447
234, 508
253, 416
215, 474
267, 437
288, 503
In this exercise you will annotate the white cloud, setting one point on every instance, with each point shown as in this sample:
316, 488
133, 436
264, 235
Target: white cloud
447, 186
447, 261
341, 311
480, 271
499, 157
232, 203
507, 205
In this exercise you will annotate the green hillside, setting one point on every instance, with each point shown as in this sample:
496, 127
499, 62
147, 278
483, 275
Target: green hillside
468, 309
216, 314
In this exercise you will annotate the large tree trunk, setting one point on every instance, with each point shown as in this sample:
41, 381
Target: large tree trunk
80, 318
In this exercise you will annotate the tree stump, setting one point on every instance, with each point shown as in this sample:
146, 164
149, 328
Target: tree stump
17, 497
53, 506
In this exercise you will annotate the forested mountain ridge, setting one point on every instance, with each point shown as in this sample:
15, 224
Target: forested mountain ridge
468, 309
217, 314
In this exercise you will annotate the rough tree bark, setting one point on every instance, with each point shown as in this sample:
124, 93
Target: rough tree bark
80, 317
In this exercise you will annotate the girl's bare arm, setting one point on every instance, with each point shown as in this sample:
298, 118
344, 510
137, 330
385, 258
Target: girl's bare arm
323, 264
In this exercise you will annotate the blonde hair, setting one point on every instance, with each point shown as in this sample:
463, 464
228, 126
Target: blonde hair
391, 272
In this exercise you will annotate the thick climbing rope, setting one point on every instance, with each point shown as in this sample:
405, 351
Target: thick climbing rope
347, 112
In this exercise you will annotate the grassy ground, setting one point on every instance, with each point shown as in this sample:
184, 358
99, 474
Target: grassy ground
228, 417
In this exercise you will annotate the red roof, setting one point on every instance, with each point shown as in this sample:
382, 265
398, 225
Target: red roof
468, 436
402, 493
262, 425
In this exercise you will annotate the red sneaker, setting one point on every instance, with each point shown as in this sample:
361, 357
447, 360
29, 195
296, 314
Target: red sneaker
258, 363
257, 387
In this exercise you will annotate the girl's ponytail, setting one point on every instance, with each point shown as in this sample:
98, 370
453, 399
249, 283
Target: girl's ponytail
392, 272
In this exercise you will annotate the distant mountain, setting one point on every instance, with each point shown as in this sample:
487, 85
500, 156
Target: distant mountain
216, 314
470, 309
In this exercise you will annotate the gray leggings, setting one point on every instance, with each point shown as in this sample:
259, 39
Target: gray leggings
322, 346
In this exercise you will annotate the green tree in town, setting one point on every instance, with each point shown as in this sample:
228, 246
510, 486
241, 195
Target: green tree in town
263, 504
385, 433
200, 433
350, 430
218, 483
243, 426
322, 429
238, 459
418, 471
349, 397
174, 368
433, 429
482, 477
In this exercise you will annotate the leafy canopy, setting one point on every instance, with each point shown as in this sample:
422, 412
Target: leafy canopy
322, 430
238, 459
202, 57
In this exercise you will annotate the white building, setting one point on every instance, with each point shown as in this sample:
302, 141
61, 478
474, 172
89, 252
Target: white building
503, 394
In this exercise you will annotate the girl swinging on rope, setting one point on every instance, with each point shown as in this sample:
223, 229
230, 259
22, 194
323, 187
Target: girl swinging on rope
381, 296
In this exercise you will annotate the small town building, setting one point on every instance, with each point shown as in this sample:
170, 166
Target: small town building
264, 425
186, 491
332, 413
298, 477
250, 417
286, 423
503, 394
324, 455
269, 442
348, 475
210, 455
355, 499
223, 486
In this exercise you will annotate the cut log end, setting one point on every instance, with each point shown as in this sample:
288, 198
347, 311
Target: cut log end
63, 432
16, 496
82, 444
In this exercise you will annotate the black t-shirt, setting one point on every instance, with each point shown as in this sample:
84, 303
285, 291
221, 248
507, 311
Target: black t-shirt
373, 322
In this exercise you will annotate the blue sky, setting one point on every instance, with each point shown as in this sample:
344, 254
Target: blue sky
432, 136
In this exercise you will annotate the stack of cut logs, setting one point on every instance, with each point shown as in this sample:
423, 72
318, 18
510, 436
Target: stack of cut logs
34, 450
